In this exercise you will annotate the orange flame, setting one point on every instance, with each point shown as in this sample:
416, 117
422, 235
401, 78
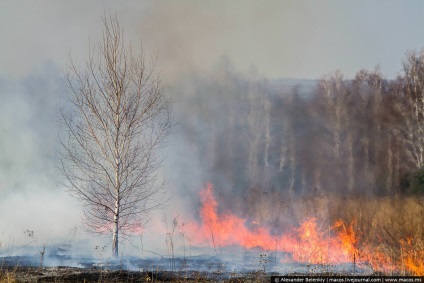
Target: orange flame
413, 256
311, 242
226, 229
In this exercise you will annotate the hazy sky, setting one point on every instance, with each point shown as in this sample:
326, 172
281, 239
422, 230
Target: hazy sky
298, 39
293, 39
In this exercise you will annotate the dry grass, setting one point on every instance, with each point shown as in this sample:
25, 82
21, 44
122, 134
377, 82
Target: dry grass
389, 230
8, 277
389, 233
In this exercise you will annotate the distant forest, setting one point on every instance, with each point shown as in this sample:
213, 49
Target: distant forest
363, 136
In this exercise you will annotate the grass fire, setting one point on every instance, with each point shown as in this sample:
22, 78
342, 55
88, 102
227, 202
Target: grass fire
200, 141
325, 242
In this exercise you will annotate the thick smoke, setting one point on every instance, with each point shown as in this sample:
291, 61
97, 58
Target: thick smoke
31, 195
266, 143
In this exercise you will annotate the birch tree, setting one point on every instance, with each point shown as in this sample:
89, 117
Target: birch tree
414, 92
115, 123
332, 87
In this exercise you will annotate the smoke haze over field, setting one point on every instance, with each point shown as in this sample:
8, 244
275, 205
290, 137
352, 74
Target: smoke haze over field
217, 61
282, 39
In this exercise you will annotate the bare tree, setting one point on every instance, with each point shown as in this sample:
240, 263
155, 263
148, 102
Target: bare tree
414, 92
116, 122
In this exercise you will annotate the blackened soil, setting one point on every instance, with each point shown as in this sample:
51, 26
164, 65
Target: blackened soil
71, 274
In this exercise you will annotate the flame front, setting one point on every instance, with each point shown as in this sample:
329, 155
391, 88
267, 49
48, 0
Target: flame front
226, 229
413, 258
311, 242
307, 243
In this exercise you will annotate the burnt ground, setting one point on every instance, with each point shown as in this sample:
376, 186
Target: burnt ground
74, 274
248, 266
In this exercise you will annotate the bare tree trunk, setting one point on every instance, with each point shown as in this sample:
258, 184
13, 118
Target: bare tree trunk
267, 168
231, 145
303, 183
389, 178
414, 93
334, 108
337, 134
267, 107
366, 144
397, 170
317, 179
116, 120
115, 238
283, 147
293, 165
350, 164
255, 134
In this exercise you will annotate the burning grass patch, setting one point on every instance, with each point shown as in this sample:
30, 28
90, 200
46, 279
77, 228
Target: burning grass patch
384, 234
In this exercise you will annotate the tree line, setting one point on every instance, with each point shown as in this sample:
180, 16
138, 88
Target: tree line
340, 136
